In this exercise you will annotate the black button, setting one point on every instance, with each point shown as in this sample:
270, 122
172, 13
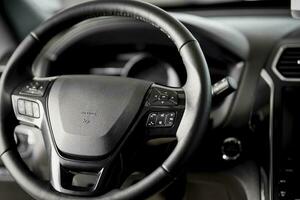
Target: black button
282, 193
161, 97
173, 98
164, 97
152, 119
282, 181
170, 119
161, 119
154, 96
35, 88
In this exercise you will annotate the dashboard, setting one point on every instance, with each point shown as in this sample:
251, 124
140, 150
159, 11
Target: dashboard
123, 47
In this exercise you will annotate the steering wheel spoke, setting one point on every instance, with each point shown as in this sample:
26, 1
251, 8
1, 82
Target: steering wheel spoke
78, 177
164, 109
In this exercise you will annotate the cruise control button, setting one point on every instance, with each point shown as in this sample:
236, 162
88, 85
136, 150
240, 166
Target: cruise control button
152, 119
36, 110
28, 108
154, 96
21, 106
173, 98
170, 119
162, 97
161, 119
172, 114
35, 88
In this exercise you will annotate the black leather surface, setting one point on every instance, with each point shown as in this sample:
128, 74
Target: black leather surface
7, 42
140, 11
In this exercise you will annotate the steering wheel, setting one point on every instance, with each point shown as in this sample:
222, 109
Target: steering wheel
87, 121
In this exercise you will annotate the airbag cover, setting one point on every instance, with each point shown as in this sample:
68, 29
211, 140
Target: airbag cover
90, 114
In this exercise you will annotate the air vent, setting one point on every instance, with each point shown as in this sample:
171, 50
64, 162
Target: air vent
288, 64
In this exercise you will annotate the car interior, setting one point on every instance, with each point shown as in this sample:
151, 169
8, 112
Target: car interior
149, 99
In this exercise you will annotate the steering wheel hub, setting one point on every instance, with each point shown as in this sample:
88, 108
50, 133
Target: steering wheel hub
93, 112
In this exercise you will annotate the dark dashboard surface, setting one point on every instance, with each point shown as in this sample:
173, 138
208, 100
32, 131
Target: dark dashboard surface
233, 44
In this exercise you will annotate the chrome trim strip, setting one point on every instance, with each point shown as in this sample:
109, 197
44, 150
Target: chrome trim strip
276, 59
165, 168
228, 157
267, 78
34, 36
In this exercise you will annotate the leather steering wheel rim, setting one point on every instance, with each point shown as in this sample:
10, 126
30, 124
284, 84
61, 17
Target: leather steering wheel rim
197, 90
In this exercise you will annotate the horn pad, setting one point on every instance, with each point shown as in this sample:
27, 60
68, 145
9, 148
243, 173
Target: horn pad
90, 114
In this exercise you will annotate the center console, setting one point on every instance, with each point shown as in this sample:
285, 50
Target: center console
283, 78
287, 167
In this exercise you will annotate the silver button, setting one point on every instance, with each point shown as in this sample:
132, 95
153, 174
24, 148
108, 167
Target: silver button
36, 110
28, 108
21, 106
